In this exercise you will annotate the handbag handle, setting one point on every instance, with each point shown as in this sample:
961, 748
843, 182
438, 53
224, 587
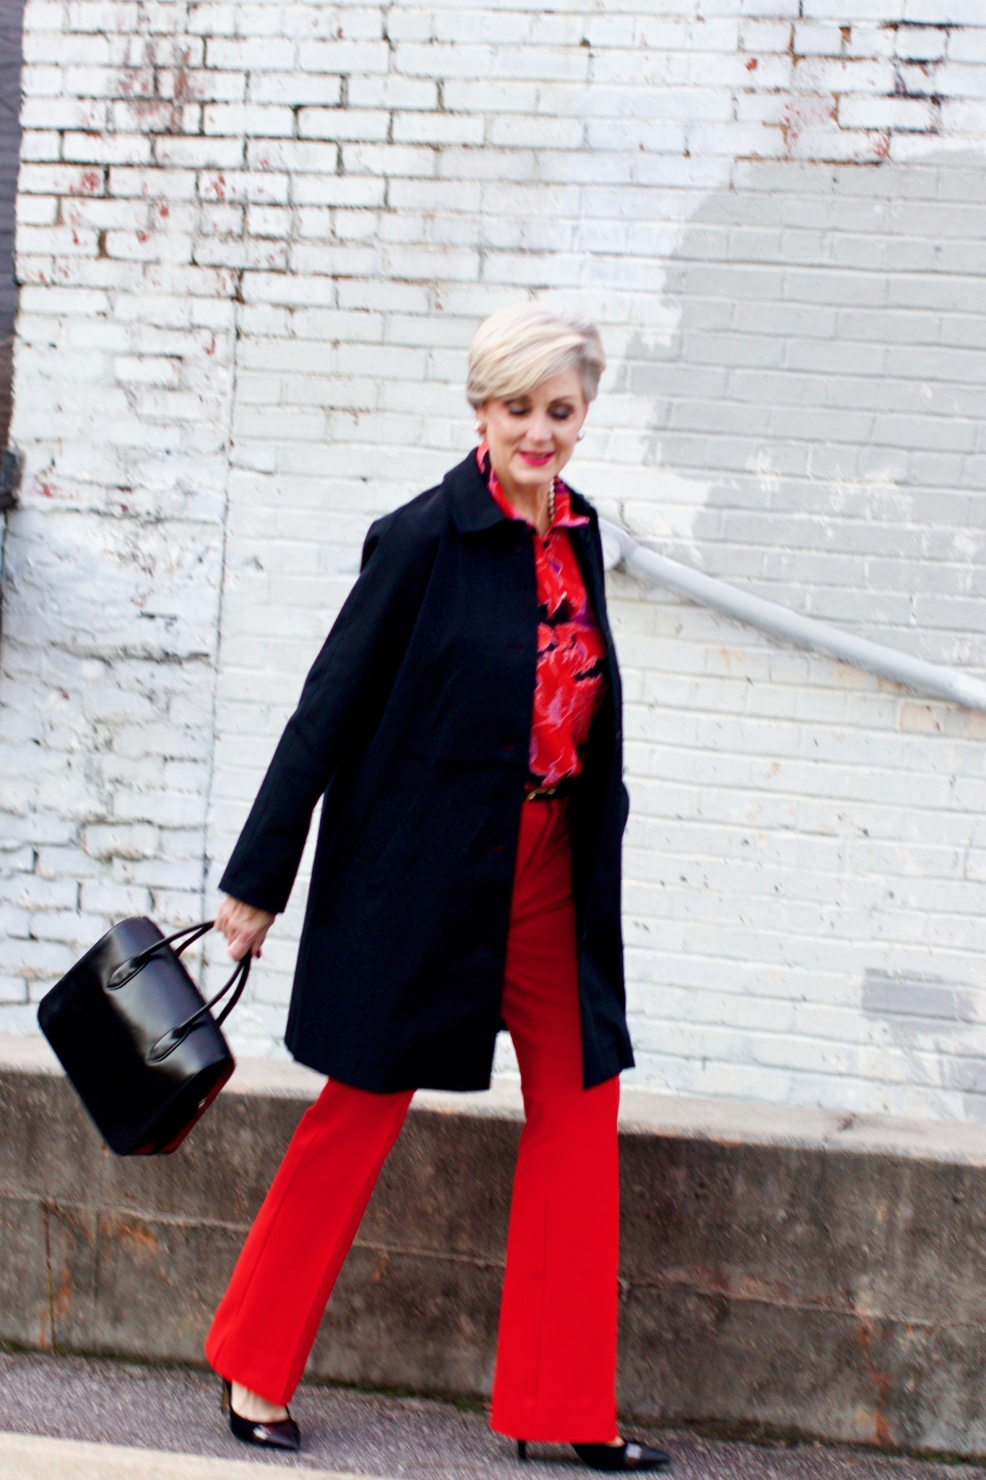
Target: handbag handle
170, 1040
128, 969
121, 974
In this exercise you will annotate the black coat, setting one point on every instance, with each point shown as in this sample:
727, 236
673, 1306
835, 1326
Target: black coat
415, 722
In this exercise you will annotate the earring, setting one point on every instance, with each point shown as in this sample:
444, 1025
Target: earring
580, 434
480, 428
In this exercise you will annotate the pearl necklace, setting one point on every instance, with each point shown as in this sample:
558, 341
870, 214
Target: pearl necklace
551, 506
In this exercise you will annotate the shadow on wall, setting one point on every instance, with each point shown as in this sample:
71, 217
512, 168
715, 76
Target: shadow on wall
826, 384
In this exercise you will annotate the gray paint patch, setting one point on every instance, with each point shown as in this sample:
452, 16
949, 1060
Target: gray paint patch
913, 1001
826, 385
927, 1012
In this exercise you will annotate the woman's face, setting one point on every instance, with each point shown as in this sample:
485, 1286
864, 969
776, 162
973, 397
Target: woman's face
532, 437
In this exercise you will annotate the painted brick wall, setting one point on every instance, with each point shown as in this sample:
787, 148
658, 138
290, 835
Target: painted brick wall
254, 241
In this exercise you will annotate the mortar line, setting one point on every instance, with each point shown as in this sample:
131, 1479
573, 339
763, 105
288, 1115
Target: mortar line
221, 602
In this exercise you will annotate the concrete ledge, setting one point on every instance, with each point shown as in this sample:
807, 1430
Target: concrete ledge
788, 1270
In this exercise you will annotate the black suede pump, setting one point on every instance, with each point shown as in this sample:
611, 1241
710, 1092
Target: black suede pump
631, 1455
283, 1433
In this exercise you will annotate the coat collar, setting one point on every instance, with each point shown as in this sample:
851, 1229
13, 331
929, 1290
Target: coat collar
472, 508
469, 499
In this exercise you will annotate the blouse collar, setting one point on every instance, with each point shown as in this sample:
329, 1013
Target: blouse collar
564, 517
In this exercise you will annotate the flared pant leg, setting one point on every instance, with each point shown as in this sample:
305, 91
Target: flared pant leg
267, 1320
556, 1358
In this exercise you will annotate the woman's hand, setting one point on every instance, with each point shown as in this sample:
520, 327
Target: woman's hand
244, 927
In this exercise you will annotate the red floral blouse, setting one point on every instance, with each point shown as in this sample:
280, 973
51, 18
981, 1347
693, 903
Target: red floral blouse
571, 658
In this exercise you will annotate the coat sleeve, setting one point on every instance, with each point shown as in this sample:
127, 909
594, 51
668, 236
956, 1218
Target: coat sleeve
341, 703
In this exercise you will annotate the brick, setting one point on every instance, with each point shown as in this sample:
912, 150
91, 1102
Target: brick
816, 39
912, 114
51, 179
198, 153
388, 159
105, 82
29, 892
338, 190
41, 146
62, 241
176, 49
292, 155
960, 12
921, 43
204, 85
964, 117
147, 116
40, 961
343, 57
269, 221
106, 148
293, 88
437, 128
765, 35
253, 54
391, 91
343, 123
476, 61
837, 75
50, 47
155, 182
852, 14
967, 44
214, 19
256, 120
117, 901
37, 210
62, 113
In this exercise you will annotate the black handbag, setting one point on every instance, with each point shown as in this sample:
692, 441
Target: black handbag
136, 1037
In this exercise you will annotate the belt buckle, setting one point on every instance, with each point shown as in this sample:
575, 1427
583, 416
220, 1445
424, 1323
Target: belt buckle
539, 793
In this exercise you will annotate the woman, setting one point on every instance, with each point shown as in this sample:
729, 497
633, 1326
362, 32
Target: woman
463, 723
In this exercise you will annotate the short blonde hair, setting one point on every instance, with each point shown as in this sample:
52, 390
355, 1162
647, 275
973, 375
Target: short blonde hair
518, 347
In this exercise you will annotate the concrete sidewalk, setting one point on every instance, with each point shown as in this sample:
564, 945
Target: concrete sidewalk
102, 1420
26, 1457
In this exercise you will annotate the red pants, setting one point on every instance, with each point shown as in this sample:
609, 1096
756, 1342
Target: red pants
556, 1356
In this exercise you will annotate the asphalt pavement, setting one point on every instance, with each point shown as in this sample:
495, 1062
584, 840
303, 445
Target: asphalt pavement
104, 1420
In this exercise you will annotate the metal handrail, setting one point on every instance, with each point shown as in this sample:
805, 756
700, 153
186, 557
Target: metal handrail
778, 621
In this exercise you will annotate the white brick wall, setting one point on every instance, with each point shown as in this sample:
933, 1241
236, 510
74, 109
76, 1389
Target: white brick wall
255, 240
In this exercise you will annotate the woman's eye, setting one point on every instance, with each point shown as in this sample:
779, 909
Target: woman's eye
516, 410
561, 413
